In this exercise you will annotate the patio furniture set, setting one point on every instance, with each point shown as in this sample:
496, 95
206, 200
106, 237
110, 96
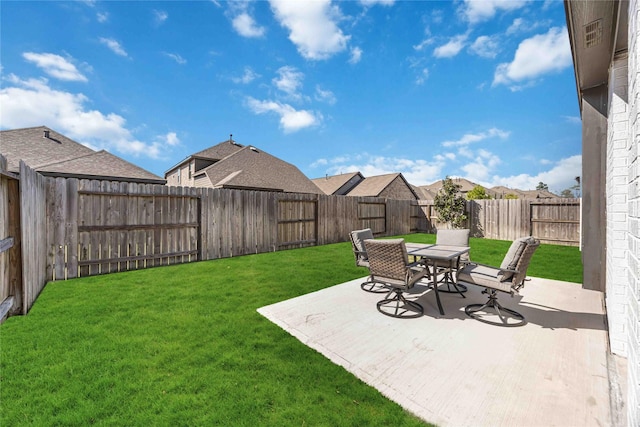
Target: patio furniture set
445, 267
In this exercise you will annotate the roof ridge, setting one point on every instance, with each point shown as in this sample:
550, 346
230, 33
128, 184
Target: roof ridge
27, 128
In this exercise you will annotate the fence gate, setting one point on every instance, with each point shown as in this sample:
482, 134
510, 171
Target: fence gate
373, 215
115, 226
557, 224
297, 223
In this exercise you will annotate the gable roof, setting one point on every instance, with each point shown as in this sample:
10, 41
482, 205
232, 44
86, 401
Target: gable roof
52, 153
331, 184
465, 185
219, 151
374, 185
252, 168
423, 193
215, 153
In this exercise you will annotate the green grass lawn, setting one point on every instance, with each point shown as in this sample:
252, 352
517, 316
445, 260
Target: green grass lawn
184, 345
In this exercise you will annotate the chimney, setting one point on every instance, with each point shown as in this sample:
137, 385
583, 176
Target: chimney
46, 134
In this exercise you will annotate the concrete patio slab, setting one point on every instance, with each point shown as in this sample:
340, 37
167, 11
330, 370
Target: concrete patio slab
454, 371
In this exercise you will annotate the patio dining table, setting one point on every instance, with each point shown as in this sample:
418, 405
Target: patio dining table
430, 255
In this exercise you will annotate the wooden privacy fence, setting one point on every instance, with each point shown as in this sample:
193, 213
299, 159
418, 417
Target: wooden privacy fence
554, 221
60, 228
98, 227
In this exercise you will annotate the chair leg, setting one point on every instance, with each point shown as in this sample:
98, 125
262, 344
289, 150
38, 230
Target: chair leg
457, 287
374, 287
399, 306
473, 311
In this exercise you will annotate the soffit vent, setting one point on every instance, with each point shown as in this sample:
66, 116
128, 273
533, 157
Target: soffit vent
593, 34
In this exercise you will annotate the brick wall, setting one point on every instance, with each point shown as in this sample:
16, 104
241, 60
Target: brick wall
616, 193
633, 212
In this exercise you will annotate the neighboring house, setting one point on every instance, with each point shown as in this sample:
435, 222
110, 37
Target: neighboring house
424, 193
338, 185
53, 154
231, 165
605, 44
501, 192
390, 186
497, 192
465, 186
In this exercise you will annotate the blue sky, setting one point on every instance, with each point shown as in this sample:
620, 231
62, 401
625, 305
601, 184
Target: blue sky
477, 89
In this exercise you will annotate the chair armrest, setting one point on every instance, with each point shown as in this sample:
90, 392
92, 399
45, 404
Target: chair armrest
501, 270
360, 253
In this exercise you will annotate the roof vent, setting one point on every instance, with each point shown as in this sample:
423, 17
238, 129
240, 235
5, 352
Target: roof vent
253, 149
46, 134
593, 34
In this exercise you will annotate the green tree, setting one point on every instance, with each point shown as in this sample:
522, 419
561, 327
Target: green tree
566, 193
511, 196
478, 193
450, 205
542, 186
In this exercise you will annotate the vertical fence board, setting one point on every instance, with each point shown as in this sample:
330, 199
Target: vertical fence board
33, 211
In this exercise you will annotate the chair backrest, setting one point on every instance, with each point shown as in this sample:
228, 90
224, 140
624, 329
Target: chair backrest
457, 237
357, 244
388, 258
518, 257
523, 264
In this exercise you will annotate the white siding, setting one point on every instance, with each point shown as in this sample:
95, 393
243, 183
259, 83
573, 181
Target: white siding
616, 193
633, 212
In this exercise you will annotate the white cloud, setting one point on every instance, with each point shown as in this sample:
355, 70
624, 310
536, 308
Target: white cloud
32, 102
380, 2
516, 26
485, 46
102, 17
470, 138
171, 139
312, 27
424, 43
179, 59
289, 81
452, 47
114, 46
558, 178
476, 11
248, 76
422, 77
480, 169
291, 120
246, 26
415, 171
160, 16
55, 66
538, 55
356, 55
325, 96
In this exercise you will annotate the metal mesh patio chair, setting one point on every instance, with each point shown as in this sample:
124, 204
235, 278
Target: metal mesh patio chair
508, 278
457, 237
357, 244
389, 264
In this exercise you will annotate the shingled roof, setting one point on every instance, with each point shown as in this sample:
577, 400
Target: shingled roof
251, 168
219, 151
375, 185
333, 184
53, 154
